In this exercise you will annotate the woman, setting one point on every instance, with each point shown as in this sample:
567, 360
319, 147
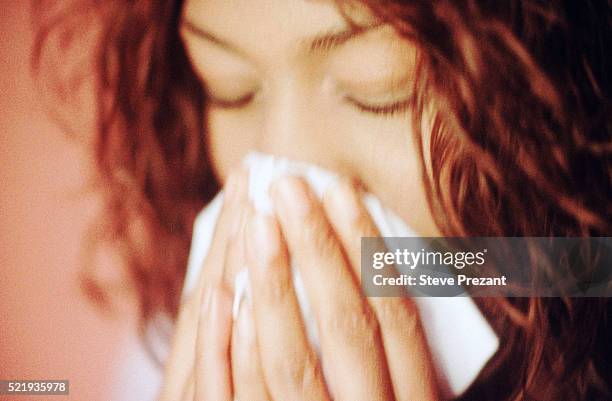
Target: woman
469, 118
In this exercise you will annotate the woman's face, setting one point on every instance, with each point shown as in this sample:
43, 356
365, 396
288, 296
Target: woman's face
288, 77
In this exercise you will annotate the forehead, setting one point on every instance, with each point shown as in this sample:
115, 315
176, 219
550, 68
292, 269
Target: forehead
269, 27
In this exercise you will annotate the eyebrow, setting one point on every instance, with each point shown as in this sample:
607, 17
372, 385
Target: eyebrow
333, 39
327, 41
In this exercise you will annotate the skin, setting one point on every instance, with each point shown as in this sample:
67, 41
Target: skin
300, 109
306, 102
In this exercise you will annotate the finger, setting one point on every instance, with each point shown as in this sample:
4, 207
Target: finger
247, 374
212, 361
291, 368
235, 253
179, 366
404, 340
350, 337
229, 222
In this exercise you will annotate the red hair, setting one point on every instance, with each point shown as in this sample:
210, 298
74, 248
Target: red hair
515, 95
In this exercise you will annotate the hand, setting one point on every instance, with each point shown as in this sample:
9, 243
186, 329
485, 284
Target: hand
371, 349
208, 304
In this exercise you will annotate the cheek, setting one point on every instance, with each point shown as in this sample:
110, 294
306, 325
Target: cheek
228, 141
401, 187
389, 165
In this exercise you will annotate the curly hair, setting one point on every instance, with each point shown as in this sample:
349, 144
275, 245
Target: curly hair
513, 105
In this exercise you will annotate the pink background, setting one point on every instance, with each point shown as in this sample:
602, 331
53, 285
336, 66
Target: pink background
48, 329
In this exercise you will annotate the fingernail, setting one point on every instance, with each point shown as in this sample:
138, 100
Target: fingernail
344, 200
262, 237
293, 195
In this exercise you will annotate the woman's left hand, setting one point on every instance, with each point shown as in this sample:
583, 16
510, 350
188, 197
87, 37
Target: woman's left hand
371, 348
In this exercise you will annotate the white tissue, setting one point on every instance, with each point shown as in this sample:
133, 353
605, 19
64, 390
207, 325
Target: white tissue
460, 339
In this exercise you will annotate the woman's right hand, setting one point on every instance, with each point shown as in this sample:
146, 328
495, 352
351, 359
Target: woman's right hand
210, 294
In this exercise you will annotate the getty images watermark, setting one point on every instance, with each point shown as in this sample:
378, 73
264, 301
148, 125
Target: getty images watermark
487, 266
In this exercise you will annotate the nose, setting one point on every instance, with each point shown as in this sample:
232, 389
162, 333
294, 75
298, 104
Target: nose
294, 126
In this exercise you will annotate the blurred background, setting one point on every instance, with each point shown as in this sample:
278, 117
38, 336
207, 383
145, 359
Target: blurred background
48, 328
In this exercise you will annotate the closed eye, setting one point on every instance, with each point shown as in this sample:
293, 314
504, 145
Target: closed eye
237, 103
392, 108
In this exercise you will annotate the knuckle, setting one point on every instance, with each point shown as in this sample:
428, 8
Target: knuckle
321, 238
355, 323
294, 370
399, 315
297, 373
275, 291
